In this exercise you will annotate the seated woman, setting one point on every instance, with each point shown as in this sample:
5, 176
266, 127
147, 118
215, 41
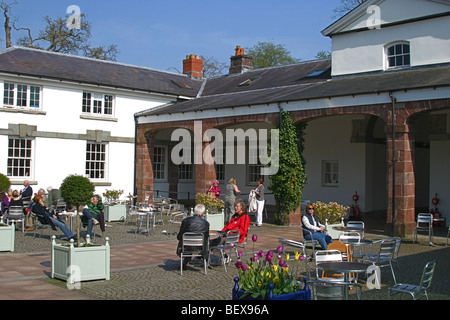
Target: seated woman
311, 223
240, 220
41, 212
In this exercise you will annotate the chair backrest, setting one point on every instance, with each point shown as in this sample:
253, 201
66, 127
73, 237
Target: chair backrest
424, 220
427, 275
232, 237
356, 224
15, 212
338, 245
349, 236
327, 256
192, 239
387, 249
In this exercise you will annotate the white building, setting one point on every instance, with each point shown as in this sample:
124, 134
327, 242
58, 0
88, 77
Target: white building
64, 114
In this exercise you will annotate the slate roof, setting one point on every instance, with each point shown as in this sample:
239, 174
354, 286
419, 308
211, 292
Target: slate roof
291, 83
50, 65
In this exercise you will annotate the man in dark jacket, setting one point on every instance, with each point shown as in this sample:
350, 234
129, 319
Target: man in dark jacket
194, 224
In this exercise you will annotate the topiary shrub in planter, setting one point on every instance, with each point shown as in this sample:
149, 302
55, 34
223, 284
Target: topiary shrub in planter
113, 210
5, 183
214, 210
80, 262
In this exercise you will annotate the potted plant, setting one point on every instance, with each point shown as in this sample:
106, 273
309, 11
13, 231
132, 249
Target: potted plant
214, 210
267, 276
113, 210
80, 262
332, 215
7, 232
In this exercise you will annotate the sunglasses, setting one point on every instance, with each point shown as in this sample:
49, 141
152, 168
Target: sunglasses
310, 208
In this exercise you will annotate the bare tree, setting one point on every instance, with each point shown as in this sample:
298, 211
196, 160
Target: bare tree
346, 6
6, 8
58, 37
213, 68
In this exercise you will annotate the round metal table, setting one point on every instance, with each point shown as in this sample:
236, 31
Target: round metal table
344, 267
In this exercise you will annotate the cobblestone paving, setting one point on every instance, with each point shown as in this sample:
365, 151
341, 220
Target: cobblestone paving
164, 282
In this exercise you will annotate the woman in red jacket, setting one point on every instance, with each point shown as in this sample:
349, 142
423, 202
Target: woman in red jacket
240, 220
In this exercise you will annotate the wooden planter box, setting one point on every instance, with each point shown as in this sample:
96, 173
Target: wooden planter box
88, 263
334, 234
7, 237
117, 212
215, 221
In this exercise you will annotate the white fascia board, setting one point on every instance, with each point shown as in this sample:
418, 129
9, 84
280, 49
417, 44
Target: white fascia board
312, 104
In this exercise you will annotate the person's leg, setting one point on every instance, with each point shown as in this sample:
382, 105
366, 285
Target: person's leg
61, 225
322, 239
90, 217
259, 212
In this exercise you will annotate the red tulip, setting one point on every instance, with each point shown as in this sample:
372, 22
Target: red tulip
254, 238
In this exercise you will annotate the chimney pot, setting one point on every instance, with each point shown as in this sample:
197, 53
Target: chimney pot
240, 62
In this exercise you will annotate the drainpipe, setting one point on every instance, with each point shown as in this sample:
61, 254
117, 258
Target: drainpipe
393, 101
134, 170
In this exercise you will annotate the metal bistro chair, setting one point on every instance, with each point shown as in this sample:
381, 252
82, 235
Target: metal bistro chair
15, 213
357, 225
310, 243
176, 218
413, 290
326, 290
385, 255
328, 256
231, 238
352, 236
298, 245
424, 224
193, 246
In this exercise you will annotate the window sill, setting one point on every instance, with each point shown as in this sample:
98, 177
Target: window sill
101, 118
22, 110
101, 183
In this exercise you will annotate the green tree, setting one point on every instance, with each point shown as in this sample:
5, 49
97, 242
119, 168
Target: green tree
322, 54
268, 54
288, 183
77, 191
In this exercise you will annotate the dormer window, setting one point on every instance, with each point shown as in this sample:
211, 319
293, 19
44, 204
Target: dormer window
398, 55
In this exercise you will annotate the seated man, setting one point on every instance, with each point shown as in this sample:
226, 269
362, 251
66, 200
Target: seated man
311, 223
240, 220
194, 224
92, 212
44, 215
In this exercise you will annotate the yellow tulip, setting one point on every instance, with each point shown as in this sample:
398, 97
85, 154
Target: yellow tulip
287, 256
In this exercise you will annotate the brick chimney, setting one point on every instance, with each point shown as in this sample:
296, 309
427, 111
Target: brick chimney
193, 66
240, 62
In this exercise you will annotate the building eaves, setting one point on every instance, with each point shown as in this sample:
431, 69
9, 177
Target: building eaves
64, 67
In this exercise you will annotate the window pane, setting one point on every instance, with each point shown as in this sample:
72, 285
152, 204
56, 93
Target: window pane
96, 160
19, 157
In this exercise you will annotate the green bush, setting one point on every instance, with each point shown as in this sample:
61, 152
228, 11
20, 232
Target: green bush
331, 211
4, 183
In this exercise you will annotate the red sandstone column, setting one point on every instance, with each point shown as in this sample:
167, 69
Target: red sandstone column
404, 179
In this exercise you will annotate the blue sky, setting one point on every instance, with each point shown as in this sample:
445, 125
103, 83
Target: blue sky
159, 34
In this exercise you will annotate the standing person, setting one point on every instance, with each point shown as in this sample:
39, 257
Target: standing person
214, 189
311, 223
92, 212
259, 201
240, 221
53, 196
230, 197
195, 223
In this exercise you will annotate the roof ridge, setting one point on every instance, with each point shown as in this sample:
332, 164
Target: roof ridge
89, 59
